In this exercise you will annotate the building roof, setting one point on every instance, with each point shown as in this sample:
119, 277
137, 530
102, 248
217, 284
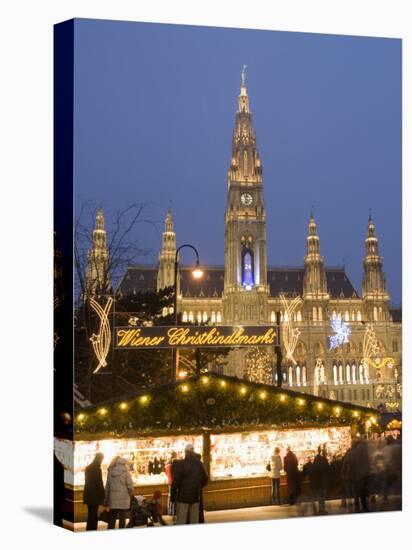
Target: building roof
218, 403
396, 313
287, 280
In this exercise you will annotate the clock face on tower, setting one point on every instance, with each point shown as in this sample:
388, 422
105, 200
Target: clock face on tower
246, 199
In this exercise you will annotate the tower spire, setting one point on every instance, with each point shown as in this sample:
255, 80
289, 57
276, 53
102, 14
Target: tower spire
97, 272
374, 282
314, 281
165, 273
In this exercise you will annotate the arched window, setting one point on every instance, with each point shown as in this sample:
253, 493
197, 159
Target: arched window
380, 316
353, 316
335, 375
322, 374
333, 314
297, 375
248, 278
375, 313
273, 317
190, 316
213, 317
299, 316
304, 380
366, 373
184, 317
320, 315
204, 316
199, 317
340, 373
361, 374
348, 373
315, 313
219, 317
354, 374
346, 315
245, 163
290, 376
359, 316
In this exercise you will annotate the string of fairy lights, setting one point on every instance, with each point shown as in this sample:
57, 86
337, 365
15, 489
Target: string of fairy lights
216, 386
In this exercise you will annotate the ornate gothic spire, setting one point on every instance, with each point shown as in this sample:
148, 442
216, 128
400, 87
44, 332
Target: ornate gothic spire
245, 166
97, 273
165, 273
314, 283
374, 282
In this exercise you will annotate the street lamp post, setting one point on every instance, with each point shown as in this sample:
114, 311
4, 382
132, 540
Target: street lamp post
197, 273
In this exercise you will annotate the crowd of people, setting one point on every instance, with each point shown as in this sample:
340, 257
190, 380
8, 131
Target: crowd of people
186, 478
369, 469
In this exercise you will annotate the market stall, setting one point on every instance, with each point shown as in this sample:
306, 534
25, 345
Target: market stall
233, 424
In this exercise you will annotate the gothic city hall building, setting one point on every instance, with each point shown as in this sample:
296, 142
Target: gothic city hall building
336, 342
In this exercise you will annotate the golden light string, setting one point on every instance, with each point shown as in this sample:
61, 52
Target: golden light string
101, 341
336, 411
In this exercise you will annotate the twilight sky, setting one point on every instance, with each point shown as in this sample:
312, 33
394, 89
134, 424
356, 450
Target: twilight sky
154, 114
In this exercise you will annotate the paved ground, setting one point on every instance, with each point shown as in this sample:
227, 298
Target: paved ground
278, 512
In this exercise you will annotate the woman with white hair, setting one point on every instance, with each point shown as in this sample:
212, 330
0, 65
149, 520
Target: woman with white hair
118, 491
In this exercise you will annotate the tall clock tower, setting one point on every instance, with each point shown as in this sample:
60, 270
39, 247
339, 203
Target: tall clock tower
245, 285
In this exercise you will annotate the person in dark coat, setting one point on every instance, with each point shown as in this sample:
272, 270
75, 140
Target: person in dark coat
360, 468
290, 465
347, 479
320, 475
93, 494
189, 476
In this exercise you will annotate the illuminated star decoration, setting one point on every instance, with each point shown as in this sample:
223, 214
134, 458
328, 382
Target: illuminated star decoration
290, 334
101, 341
342, 332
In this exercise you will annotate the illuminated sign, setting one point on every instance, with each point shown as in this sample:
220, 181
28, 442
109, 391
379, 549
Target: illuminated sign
194, 337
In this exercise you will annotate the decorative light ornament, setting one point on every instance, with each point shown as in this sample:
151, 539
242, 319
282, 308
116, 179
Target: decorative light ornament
102, 412
342, 333
258, 366
372, 353
144, 399
101, 341
290, 334
123, 406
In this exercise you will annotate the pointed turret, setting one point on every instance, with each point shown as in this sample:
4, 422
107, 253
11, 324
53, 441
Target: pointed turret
245, 165
314, 282
97, 273
315, 290
165, 273
374, 290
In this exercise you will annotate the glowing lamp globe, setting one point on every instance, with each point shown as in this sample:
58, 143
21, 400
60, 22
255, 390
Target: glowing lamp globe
197, 273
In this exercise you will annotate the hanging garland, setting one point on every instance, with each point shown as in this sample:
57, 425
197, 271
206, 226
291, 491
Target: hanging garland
218, 402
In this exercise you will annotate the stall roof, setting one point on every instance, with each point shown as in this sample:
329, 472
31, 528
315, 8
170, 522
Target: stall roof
218, 403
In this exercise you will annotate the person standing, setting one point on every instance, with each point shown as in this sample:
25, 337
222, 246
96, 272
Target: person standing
360, 467
169, 477
274, 474
290, 465
320, 475
189, 477
118, 492
93, 494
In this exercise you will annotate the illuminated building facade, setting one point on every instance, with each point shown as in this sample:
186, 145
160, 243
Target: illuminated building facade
336, 343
